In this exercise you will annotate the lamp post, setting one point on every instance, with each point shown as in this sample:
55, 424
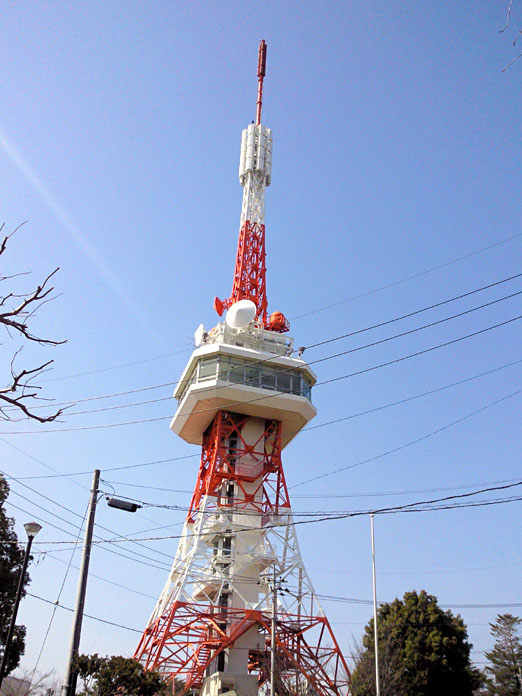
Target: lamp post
32, 529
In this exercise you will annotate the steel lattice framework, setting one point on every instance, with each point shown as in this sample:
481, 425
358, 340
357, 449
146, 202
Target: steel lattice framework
242, 398
241, 495
192, 636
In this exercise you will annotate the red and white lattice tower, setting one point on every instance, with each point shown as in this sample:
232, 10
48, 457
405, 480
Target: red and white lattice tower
243, 398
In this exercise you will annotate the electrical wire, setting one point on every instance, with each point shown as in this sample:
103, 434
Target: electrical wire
333, 495
100, 541
400, 447
414, 330
315, 513
88, 616
47, 466
356, 464
337, 420
117, 367
113, 468
299, 316
71, 480
275, 357
407, 279
414, 313
77, 515
56, 603
272, 393
324, 359
99, 577
418, 506
407, 444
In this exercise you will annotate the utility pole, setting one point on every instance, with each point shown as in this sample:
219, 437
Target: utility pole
375, 633
71, 674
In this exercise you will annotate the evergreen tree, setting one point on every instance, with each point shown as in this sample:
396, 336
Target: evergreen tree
11, 562
425, 651
118, 675
505, 658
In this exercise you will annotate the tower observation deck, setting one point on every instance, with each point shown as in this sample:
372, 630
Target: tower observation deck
242, 398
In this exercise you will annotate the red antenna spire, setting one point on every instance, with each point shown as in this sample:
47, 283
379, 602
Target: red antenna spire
255, 169
261, 70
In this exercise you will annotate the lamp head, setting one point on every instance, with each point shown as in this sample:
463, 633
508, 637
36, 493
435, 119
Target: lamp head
32, 529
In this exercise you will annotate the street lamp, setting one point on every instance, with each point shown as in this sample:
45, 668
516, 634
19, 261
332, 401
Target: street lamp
32, 529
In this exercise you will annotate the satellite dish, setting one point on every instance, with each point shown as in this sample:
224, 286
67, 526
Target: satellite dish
240, 314
198, 335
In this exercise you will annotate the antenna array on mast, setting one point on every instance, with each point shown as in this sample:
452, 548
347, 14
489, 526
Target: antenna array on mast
255, 171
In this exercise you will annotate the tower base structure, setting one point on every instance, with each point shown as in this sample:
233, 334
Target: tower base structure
211, 629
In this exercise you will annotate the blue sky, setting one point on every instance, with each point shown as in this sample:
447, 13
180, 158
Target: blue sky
396, 151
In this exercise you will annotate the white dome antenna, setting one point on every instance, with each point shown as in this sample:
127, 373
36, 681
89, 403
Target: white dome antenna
240, 314
199, 335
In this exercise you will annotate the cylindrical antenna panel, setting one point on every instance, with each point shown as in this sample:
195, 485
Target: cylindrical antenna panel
256, 153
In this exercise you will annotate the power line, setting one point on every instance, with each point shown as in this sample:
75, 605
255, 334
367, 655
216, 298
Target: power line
412, 314
315, 520
407, 507
404, 445
269, 359
351, 299
329, 357
333, 495
56, 603
117, 367
89, 616
114, 468
407, 399
99, 541
328, 381
99, 577
57, 473
394, 493
77, 515
355, 600
312, 427
351, 466
335, 514
414, 330
408, 444
407, 279
39, 461
420, 352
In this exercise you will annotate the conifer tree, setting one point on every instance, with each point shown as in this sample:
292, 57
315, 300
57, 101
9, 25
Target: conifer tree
505, 657
424, 651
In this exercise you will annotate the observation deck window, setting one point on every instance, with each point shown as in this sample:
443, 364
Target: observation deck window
207, 369
250, 373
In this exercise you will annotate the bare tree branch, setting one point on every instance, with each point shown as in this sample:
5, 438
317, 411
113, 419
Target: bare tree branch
17, 317
501, 31
21, 391
21, 381
512, 62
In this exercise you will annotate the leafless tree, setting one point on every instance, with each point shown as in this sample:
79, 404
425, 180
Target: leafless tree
16, 311
30, 683
517, 35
